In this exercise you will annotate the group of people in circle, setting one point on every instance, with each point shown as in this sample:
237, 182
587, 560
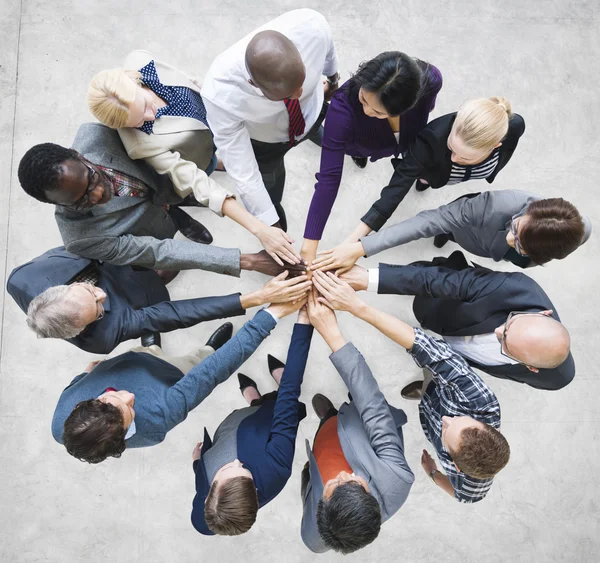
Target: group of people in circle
163, 137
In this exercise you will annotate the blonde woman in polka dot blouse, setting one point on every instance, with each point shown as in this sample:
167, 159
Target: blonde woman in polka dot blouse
160, 117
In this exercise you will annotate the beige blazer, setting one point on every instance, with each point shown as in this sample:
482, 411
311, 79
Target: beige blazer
181, 147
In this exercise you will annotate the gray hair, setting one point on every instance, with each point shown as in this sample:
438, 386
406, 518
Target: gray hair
53, 315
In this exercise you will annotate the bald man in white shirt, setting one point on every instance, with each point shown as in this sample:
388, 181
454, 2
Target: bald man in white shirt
263, 96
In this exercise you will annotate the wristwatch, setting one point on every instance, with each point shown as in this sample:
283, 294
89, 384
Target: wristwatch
334, 79
432, 475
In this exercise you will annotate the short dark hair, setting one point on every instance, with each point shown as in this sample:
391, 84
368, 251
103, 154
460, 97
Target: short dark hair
350, 519
230, 509
94, 431
483, 452
40, 167
397, 79
554, 230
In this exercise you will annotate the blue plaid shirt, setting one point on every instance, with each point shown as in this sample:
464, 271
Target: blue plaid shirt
181, 101
456, 390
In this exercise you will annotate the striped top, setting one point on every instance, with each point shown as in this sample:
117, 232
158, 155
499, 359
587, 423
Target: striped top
460, 173
456, 390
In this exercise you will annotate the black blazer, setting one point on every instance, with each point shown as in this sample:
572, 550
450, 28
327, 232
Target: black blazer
137, 301
473, 301
430, 158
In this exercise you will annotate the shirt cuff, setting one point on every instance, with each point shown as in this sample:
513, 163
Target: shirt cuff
272, 314
269, 217
373, 280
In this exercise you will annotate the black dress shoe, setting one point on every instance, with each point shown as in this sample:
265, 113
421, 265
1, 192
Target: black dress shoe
245, 382
439, 241
274, 364
413, 391
190, 201
151, 339
360, 162
321, 405
420, 186
220, 336
189, 227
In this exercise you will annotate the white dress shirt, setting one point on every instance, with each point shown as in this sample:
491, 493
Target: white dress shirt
238, 112
481, 348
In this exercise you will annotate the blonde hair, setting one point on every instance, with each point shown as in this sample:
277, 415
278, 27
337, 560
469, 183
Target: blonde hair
110, 93
482, 123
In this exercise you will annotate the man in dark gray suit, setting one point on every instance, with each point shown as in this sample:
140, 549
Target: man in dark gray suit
96, 306
510, 225
357, 476
502, 323
111, 208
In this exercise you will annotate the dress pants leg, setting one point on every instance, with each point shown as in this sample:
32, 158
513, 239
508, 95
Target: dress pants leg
270, 160
182, 363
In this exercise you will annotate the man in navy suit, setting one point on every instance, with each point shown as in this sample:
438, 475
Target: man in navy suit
502, 323
96, 305
249, 461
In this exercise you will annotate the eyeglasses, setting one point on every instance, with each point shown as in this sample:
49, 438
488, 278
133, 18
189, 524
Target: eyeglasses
99, 306
84, 201
513, 230
507, 324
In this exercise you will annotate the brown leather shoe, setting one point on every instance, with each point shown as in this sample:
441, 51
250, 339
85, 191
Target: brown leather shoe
321, 405
412, 392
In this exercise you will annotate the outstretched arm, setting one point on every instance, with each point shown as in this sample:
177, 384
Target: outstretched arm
284, 427
369, 400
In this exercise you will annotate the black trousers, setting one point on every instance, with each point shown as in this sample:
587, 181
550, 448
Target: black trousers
270, 160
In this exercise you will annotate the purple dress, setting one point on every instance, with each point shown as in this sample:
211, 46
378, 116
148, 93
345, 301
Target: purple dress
348, 131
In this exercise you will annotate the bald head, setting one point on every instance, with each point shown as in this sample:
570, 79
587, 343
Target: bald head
275, 65
537, 340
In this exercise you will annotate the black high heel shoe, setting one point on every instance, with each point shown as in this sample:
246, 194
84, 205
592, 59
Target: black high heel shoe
274, 364
246, 382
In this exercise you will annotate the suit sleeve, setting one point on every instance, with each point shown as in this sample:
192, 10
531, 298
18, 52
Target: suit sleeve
173, 315
435, 281
282, 440
150, 252
377, 419
200, 381
407, 170
456, 215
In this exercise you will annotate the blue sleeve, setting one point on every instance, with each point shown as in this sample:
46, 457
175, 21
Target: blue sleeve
173, 315
200, 381
284, 428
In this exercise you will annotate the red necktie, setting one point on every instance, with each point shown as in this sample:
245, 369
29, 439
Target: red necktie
297, 123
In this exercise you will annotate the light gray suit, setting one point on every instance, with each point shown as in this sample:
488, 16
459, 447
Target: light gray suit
130, 230
370, 433
478, 224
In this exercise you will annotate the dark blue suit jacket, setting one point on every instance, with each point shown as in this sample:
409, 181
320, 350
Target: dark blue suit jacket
266, 439
137, 301
466, 301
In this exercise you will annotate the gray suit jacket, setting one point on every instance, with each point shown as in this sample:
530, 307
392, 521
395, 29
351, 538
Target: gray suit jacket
370, 433
478, 224
134, 231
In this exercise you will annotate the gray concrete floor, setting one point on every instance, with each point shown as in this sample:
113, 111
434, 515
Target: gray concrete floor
543, 56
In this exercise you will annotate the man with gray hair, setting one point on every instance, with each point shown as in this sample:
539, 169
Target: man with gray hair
96, 306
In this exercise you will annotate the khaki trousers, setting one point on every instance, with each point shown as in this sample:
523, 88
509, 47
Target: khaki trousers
183, 363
